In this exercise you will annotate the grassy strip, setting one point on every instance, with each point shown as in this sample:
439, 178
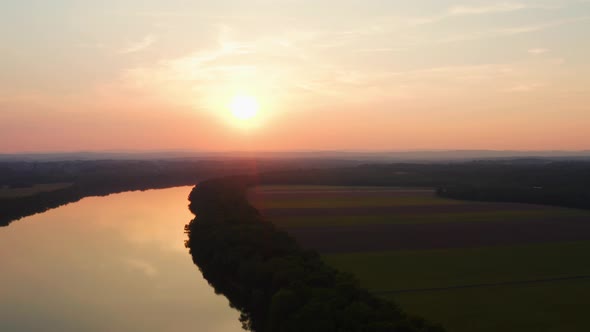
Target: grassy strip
382, 271
546, 307
274, 283
323, 197
538, 307
33, 190
426, 218
331, 188
363, 201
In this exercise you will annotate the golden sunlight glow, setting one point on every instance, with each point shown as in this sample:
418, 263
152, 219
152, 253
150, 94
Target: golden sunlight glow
244, 107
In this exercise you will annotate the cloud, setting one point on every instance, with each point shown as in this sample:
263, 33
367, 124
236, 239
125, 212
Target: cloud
539, 27
141, 266
164, 14
537, 51
489, 9
526, 87
510, 31
465, 10
141, 45
207, 76
96, 46
380, 49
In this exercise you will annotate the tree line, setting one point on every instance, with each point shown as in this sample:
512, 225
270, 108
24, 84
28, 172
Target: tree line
560, 183
104, 177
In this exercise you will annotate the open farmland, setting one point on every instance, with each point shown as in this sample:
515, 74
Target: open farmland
32, 190
351, 219
470, 266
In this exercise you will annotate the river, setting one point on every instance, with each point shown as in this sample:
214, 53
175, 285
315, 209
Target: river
115, 263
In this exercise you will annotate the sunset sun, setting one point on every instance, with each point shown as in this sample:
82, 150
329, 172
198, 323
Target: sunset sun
244, 108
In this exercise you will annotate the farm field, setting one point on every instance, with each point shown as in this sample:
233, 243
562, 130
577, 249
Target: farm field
33, 190
307, 206
543, 307
469, 266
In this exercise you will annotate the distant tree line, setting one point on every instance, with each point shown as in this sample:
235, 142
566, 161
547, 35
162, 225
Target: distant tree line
16, 208
559, 183
104, 177
276, 285
520, 181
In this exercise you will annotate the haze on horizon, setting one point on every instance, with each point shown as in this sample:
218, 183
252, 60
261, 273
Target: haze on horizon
330, 75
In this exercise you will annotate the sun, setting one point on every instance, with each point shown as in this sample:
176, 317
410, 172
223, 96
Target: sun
244, 107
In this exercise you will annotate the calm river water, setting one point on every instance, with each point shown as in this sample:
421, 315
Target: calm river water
115, 263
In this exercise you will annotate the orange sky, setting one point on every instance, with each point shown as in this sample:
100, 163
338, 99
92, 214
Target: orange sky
352, 75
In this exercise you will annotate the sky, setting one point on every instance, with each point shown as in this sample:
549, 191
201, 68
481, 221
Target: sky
374, 75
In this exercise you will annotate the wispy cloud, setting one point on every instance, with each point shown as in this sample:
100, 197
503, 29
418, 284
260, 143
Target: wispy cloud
96, 46
141, 266
379, 50
537, 51
526, 87
164, 14
541, 26
141, 45
467, 10
487, 9
516, 30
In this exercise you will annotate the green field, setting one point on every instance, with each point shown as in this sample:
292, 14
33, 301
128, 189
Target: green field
368, 201
317, 188
414, 218
310, 197
400, 270
509, 287
544, 307
538, 306
31, 191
